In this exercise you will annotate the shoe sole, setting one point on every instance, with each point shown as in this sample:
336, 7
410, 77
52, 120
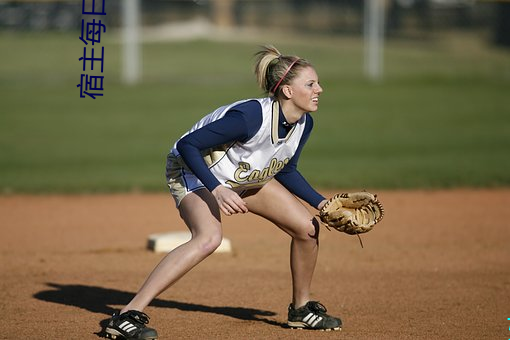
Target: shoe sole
114, 334
302, 325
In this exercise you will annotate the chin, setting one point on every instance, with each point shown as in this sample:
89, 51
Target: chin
313, 108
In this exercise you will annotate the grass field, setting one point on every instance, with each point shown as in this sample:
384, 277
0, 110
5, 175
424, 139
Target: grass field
439, 118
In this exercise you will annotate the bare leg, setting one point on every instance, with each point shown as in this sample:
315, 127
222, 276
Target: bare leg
200, 212
278, 205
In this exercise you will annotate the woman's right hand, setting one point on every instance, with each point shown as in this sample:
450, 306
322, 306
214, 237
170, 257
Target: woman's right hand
229, 201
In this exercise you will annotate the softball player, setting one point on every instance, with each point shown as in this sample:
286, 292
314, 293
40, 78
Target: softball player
243, 158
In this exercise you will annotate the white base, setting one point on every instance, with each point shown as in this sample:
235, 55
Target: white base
166, 242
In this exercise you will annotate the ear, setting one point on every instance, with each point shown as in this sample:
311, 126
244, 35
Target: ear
287, 91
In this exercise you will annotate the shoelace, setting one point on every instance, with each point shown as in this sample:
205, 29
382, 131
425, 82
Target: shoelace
316, 306
140, 317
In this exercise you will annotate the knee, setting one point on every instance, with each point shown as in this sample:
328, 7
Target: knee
208, 243
309, 231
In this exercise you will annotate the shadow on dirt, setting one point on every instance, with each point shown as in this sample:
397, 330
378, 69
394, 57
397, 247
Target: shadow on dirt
99, 300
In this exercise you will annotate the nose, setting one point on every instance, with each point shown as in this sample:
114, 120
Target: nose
318, 89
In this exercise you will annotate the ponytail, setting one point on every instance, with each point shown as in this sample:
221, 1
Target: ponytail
272, 69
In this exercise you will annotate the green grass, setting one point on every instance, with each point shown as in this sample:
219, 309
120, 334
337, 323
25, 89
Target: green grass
439, 118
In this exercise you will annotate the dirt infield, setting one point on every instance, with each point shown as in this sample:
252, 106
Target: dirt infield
437, 267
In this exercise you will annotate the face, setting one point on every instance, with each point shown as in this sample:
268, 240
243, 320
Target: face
305, 90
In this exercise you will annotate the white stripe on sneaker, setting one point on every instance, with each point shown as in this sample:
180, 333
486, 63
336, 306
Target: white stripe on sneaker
312, 319
127, 326
308, 317
317, 321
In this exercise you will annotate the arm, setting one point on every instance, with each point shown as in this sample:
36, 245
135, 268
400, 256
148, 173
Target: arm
292, 179
226, 130
238, 124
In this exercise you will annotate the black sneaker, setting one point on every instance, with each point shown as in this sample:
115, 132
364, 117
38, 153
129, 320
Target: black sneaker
130, 326
313, 316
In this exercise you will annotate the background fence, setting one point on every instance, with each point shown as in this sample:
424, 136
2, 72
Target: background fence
404, 17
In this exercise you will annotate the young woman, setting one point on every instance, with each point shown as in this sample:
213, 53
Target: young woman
243, 158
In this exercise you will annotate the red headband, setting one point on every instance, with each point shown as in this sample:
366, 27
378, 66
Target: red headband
283, 77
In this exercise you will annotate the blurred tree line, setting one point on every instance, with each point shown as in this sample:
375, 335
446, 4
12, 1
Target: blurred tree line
404, 18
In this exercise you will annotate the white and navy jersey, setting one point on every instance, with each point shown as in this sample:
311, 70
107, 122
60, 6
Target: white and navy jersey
245, 144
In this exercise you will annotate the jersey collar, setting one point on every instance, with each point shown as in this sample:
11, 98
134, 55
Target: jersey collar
277, 117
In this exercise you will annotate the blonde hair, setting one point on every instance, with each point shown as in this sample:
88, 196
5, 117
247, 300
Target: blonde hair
273, 69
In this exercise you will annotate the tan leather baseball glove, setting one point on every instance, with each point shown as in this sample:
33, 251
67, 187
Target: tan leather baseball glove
352, 213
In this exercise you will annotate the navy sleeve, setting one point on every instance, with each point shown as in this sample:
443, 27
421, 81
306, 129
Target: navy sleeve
292, 179
239, 124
